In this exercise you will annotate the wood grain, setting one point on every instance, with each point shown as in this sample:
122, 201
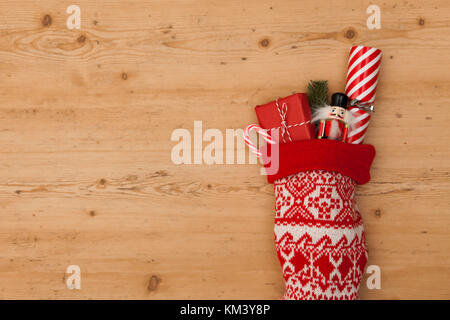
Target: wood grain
86, 117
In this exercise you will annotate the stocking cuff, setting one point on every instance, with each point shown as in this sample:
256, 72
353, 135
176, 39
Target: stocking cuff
352, 160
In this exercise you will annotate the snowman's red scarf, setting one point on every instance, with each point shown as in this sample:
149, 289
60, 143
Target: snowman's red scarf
352, 160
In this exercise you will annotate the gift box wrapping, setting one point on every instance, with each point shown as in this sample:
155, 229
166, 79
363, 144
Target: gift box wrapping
364, 65
319, 232
296, 113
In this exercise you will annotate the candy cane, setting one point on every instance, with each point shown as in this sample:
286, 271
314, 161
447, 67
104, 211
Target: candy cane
262, 132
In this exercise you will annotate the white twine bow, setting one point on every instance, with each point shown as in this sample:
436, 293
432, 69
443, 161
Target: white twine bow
264, 132
284, 128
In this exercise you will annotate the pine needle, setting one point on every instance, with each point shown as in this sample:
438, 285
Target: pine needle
317, 93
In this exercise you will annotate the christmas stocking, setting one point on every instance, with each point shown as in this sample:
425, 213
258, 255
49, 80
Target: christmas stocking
319, 233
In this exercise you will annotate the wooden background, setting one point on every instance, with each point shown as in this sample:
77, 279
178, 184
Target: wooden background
86, 117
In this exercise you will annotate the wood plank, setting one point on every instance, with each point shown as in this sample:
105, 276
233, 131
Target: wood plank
86, 118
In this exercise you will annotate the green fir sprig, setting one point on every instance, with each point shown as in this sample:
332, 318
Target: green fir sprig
317, 93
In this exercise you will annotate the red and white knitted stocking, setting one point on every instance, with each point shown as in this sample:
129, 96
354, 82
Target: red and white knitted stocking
319, 236
319, 233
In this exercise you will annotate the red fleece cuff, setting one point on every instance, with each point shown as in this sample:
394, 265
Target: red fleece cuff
352, 160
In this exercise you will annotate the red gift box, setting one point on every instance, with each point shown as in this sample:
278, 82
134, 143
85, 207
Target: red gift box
292, 115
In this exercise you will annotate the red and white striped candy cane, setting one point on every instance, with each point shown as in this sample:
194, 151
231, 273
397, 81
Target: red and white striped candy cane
262, 132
